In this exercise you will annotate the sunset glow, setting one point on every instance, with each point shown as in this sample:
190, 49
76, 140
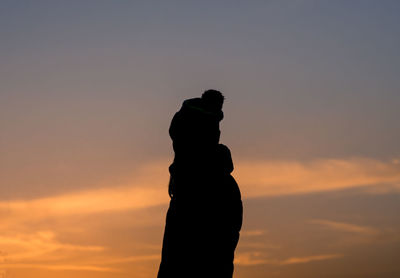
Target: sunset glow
87, 93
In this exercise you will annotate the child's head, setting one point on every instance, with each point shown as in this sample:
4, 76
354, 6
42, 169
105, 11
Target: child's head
213, 100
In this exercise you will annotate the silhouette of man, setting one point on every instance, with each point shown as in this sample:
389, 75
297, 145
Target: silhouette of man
205, 213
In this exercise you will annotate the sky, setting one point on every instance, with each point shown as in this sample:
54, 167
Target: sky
87, 92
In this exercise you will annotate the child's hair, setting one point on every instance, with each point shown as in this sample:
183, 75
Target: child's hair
213, 98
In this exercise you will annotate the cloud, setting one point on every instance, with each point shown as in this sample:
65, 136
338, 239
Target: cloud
252, 233
252, 258
147, 189
91, 201
274, 178
346, 227
308, 259
38, 245
42, 250
256, 179
258, 245
58, 267
24, 248
258, 258
118, 260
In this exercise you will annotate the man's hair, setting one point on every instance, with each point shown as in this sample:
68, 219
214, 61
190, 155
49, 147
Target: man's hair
213, 97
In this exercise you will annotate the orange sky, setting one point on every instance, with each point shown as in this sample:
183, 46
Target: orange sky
87, 92
116, 230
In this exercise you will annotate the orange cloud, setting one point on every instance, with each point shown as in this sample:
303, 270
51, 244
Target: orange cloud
258, 258
252, 233
271, 178
255, 178
346, 227
91, 201
42, 250
22, 246
35, 245
58, 267
307, 259
147, 189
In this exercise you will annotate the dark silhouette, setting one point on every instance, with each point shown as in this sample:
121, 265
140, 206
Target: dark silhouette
205, 213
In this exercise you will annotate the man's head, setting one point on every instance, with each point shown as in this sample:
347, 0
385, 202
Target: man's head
213, 100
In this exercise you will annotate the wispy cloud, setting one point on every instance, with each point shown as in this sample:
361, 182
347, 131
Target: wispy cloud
24, 248
252, 233
346, 227
308, 259
258, 258
147, 189
90, 201
257, 178
271, 178
36, 245
44, 240
130, 259
42, 250
57, 267
252, 258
